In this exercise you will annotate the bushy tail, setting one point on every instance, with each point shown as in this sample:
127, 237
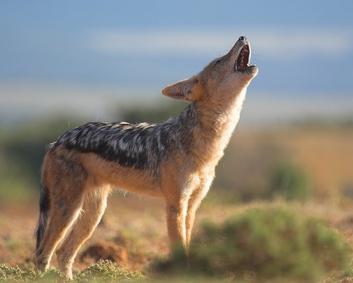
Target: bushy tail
43, 215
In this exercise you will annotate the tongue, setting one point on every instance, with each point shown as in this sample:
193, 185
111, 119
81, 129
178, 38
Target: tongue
243, 59
243, 63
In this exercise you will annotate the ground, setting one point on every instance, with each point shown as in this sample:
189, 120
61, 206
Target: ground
133, 232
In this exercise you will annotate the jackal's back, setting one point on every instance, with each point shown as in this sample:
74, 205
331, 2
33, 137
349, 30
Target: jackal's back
142, 146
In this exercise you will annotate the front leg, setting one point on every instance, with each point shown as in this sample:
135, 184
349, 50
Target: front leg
177, 189
193, 204
176, 215
175, 185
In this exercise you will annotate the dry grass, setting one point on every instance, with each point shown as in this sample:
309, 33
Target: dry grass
324, 154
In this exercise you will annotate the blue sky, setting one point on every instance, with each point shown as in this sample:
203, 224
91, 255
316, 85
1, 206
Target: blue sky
53, 50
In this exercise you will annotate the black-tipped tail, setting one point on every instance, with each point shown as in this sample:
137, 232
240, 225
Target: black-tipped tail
43, 216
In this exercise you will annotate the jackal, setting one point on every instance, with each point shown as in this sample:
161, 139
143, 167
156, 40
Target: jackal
175, 160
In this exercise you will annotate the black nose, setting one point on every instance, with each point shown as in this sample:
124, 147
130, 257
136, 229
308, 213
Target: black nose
242, 38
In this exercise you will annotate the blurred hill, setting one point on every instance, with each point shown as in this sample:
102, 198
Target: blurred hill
312, 156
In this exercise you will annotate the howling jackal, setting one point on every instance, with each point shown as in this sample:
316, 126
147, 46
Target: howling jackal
175, 160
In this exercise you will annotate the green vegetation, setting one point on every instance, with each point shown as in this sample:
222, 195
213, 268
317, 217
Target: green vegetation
106, 271
25, 274
21, 152
266, 244
290, 182
103, 271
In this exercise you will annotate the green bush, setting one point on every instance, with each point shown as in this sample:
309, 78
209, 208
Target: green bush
265, 243
289, 182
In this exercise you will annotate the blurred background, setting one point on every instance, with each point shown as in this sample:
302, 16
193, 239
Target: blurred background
63, 63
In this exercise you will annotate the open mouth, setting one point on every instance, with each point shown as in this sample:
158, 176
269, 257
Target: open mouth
242, 62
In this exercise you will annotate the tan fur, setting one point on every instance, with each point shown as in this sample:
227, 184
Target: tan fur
78, 183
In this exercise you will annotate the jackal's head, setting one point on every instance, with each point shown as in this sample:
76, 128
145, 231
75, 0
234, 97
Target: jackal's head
225, 76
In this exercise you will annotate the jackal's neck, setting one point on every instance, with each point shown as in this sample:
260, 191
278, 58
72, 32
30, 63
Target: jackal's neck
220, 115
216, 121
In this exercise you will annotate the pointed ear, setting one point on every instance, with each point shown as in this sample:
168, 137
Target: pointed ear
189, 89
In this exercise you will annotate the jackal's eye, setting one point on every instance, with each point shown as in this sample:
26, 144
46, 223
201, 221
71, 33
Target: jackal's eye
218, 61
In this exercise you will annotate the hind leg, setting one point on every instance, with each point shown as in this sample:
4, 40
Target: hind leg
63, 213
93, 209
65, 180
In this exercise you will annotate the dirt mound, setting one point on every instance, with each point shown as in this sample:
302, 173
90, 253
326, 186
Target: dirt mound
105, 251
3, 253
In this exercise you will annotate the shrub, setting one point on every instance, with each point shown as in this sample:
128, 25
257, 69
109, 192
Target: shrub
266, 243
289, 182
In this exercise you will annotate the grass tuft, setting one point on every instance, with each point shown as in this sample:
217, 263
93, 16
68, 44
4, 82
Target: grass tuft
107, 271
103, 271
18, 274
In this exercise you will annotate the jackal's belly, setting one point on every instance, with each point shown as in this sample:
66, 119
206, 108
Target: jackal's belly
121, 177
